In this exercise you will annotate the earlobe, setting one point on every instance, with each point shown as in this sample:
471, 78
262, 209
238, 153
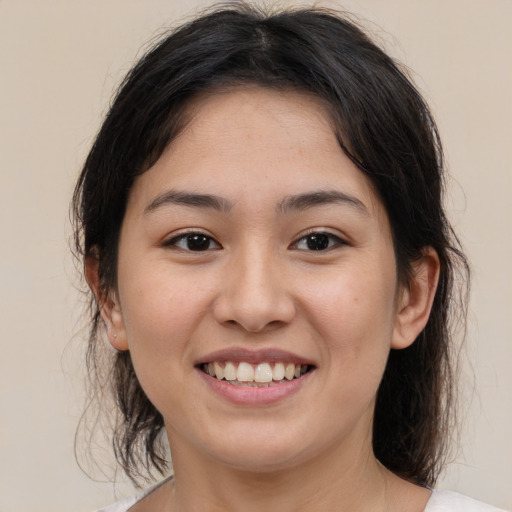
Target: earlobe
113, 316
415, 302
108, 304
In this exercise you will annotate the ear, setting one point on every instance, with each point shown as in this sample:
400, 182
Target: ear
108, 303
415, 300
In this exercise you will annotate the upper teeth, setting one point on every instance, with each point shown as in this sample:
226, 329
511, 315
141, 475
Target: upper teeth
261, 372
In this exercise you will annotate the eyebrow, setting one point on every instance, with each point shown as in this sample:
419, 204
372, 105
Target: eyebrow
175, 197
320, 198
289, 203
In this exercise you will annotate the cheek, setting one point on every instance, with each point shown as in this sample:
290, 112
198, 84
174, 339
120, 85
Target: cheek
161, 318
356, 302
161, 311
353, 313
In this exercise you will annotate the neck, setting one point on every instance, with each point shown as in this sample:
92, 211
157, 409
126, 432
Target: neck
350, 480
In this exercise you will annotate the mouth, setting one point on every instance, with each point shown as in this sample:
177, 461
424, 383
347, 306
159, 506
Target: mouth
257, 375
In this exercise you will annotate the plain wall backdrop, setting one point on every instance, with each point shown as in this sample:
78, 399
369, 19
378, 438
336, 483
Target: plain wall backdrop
59, 64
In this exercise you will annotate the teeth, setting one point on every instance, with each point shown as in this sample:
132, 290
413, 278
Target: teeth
262, 374
230, 371
245, 373
219, 371
289, 371
278, 373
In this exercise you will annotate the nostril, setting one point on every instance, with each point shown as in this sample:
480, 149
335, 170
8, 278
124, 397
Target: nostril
256, 302
252, 325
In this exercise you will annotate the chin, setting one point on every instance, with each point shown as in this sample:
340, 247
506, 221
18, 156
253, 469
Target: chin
261, 461
266, 452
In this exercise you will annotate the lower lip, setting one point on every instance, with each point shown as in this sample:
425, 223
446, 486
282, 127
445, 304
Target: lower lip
244, 395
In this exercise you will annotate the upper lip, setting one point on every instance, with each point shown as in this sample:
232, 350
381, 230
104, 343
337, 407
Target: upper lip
240, 354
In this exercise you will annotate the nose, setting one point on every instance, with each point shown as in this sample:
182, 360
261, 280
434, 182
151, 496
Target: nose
254, 293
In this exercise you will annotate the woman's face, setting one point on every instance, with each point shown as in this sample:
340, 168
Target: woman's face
255, 245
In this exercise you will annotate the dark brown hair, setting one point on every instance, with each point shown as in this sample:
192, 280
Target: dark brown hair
383, 125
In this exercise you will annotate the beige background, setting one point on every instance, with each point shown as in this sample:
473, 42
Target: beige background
59, 63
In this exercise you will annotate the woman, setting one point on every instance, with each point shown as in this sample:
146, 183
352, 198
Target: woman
261, 225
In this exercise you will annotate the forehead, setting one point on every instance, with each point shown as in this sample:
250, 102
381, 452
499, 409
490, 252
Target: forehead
256, 143
280, 121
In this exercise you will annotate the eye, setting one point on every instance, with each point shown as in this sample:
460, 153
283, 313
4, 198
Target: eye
317, 242
196, 242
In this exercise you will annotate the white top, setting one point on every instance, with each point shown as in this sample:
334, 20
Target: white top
449, 501
440, 501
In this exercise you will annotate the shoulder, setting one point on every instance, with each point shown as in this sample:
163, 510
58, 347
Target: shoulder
449, 501
125, 504
121, 506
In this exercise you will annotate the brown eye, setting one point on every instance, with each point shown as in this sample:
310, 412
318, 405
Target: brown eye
318, 242
195, 242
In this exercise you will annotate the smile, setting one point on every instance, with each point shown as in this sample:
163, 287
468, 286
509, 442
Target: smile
262, 374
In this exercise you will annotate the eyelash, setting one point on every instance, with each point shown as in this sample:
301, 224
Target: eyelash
323, 241
188, 237
319, 237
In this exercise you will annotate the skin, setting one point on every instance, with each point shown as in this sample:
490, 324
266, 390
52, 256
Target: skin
259, 286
